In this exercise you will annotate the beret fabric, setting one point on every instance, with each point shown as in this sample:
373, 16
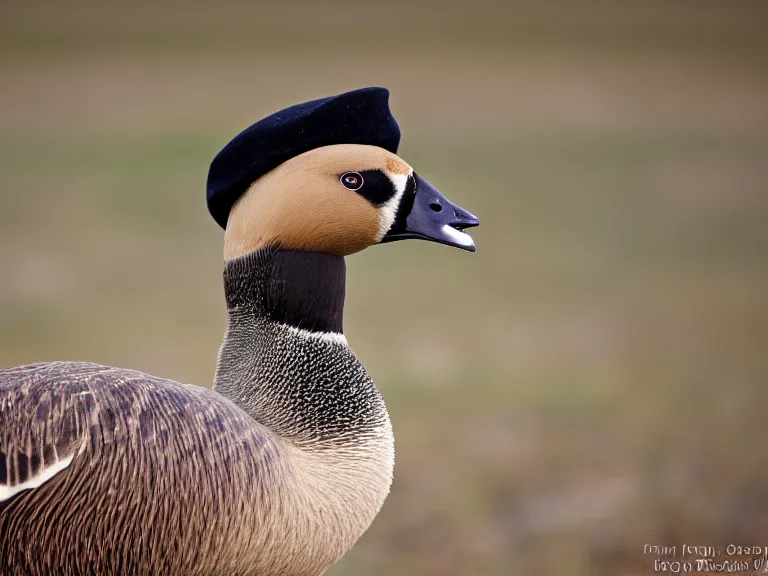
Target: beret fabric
357, 117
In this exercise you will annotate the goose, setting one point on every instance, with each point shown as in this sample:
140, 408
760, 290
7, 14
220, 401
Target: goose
281, 466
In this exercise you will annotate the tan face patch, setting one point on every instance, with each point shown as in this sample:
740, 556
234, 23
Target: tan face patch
301, 205
396, 165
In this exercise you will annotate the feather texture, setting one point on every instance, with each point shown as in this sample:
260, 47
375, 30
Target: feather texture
275, 472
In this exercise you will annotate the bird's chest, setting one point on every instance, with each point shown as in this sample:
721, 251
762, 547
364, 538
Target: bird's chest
323, 503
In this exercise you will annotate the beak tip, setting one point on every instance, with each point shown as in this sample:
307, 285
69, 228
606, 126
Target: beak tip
433, 217
457, 237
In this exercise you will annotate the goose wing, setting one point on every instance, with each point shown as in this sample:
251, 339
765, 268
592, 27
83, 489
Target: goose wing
44, 421
57, 417
105, 470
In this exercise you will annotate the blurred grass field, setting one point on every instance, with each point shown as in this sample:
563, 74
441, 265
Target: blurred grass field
593, 379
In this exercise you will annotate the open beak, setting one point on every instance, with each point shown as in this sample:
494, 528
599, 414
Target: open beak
425, 213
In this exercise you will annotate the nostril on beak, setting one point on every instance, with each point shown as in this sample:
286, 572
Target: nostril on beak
436, 207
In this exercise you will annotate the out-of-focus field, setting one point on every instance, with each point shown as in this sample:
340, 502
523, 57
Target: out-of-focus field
593, 379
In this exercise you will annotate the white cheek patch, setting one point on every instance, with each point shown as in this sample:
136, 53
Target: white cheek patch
388, 211
458, 236
45, 474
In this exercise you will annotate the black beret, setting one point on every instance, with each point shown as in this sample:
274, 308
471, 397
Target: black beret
357, 117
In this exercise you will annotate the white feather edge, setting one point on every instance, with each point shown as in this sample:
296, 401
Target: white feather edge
35, 481
334, 337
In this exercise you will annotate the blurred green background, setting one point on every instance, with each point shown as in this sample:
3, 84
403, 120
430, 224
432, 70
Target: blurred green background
593, 379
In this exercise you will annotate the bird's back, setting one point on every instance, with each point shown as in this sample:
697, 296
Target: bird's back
173, 477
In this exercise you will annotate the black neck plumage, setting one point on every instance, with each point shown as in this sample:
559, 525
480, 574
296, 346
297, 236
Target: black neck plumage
304, 386
301, 289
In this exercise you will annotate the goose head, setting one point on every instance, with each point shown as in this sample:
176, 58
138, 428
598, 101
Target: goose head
340, 199
324, 176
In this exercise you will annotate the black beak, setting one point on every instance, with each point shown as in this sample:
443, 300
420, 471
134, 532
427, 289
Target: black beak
425, 213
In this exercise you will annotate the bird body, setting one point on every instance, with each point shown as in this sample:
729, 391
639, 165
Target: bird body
278, 469
211, 475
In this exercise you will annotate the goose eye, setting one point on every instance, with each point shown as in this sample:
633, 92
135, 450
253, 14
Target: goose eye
352, 180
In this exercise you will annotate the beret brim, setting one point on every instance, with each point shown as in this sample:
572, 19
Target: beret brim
357, 117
